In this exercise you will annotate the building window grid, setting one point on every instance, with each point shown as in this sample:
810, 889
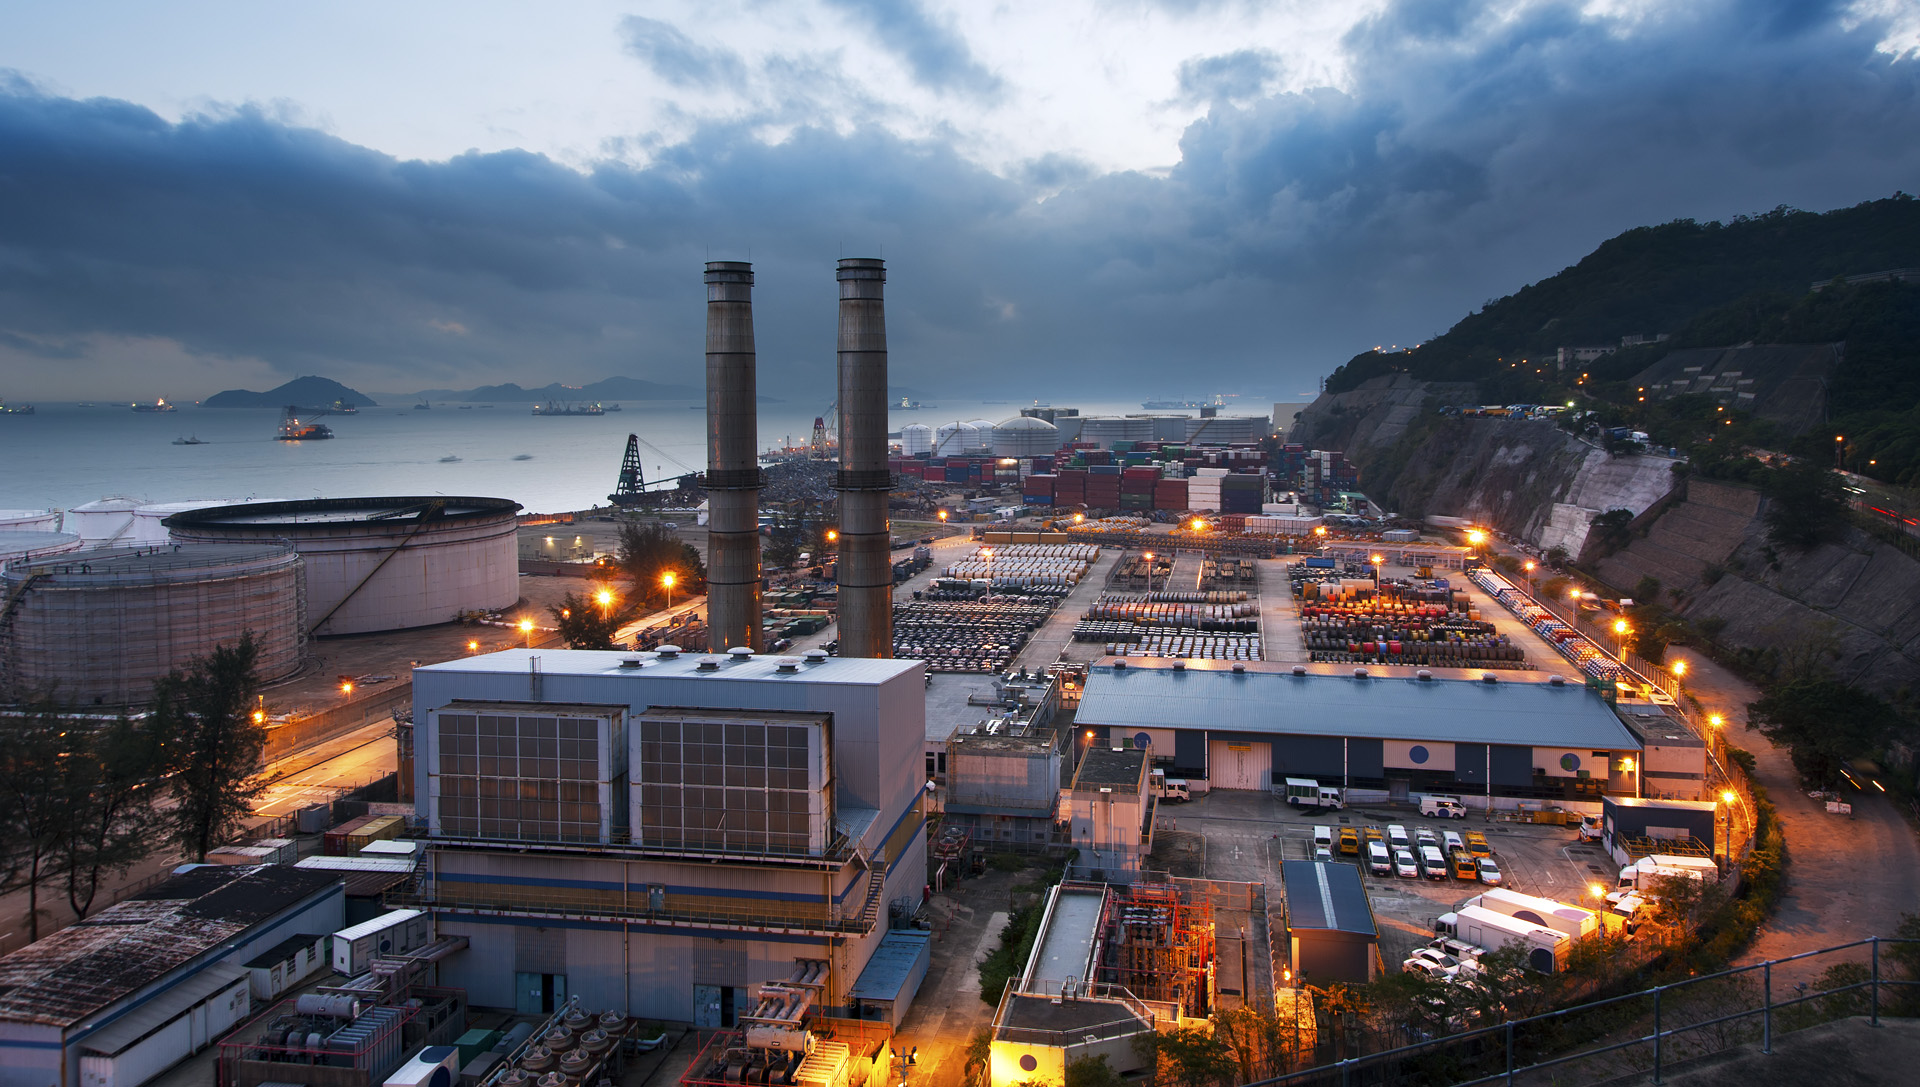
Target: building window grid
725, 787
531, 778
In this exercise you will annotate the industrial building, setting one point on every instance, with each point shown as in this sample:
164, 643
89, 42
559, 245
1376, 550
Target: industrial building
145, 983
1110, 813
98, 627
377, 564
660, 833
1004, 789
1330, 930
1632, 828
1253, 725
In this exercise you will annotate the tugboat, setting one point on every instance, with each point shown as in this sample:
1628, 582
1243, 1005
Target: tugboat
194, 440
293, 430
158, 405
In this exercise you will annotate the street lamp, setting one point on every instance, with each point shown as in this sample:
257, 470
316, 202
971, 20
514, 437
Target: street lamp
1528, 567
1377, 560
604, 598
473, 645
1079, 517
667, 579
1620, 631
833, 535
347, 688
943, 516
1199, 525
1679, 669
1149, 571
526, 627
987, 553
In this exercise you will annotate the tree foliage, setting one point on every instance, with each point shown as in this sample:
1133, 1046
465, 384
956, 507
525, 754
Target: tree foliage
1806, 505
584, 622
1824, 722
215, 747
648, 553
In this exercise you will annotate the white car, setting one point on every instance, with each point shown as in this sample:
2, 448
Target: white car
1422, 966
1322, 836
1452, 841
1397, 836
1404, 865
1489, 872
1322, 853
1424, 837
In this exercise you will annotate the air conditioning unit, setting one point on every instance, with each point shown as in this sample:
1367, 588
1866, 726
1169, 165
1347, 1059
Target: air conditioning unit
434, 1066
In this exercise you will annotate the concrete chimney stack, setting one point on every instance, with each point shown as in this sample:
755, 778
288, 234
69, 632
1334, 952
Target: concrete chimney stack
866, 555
733, 466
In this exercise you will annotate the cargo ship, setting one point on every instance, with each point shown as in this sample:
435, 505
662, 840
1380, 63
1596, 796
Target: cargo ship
552, 408
293, 430
158, 405
15, 409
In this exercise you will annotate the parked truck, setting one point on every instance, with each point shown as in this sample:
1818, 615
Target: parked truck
1643, 876
1545, 948
1169, 789
1309, 793
1573, 921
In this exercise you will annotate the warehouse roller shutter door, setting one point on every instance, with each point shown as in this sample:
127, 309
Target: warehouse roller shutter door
1239, 764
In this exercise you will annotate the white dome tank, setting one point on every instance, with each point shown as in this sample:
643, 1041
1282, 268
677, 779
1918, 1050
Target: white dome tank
1021, 436
29, 520
32, 546
960, 439
104, 521
915, 439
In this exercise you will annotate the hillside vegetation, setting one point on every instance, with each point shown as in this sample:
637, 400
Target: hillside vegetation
1709, 285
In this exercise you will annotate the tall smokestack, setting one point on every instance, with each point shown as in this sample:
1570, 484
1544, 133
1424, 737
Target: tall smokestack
733, 468
866, 556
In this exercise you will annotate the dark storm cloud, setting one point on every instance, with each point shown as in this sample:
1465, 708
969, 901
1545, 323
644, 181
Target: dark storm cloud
675, 57
1475, 149
936, 55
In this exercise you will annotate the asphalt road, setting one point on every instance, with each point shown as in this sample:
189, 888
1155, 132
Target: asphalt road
1849, 877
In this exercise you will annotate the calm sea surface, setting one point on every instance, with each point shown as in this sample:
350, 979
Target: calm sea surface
65, 455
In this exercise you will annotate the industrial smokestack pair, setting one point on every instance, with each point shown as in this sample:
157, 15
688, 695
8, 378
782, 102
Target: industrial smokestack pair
733, 472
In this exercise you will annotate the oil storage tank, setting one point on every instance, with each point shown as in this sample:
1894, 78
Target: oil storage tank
29, 520
1108, 429
916, 438
18, 547
381, 563
1022, 436
97, 627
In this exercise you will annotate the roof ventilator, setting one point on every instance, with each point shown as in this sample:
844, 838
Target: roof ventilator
787, 665
1120, 665
1239, 669
1360, 673
1299, 669
1179, 666
1423, 674
667, 652
1557, 681
709, 664
740, 653
816, 656
1489, 677
629, 662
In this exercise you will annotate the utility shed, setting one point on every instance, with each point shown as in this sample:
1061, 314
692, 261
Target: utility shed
1111, 816
885, 989
145, 983
1331, 935
1006, 788
1633, 828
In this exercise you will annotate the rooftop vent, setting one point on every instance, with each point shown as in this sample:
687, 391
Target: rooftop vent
1239, 669
787, 664
1120, 665
1299, 669
1489, 677
1423, 674
1359, 673
816, 656
709, 664
1180, 666
740, 653
629, 662
667, 652
1557, 681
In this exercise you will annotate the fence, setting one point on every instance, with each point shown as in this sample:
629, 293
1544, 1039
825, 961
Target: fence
310, 731
1658, 1027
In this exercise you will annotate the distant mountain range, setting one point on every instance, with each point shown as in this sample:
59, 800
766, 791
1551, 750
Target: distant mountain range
301, 391
613, 388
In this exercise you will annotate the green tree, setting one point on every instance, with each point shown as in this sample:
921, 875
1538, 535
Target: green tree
648, 553
113, 781
35, 806
1609, 531
215, 747
587, 621
1806, 505
1190, 1057
1824, 723
1092, 1071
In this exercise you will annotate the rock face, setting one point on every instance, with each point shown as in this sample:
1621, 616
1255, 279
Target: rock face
1857, 595
1527, 478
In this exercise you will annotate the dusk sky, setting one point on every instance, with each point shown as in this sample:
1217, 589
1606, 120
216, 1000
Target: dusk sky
1184, 197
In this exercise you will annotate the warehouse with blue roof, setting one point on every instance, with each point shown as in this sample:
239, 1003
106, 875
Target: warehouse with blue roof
1252, 726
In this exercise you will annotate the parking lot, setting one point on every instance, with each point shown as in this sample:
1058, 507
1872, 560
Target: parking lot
1239, 835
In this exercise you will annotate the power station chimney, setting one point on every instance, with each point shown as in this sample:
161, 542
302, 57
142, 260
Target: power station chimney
733, 468
866, 556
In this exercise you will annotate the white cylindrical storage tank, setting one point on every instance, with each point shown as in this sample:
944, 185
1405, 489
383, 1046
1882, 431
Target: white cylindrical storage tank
1227, 429
1021, 436
955, 439
103, 522
915, 439
29, 520
1170, 428
149, 527
98, 627
1108, 429
22, 547
381, 563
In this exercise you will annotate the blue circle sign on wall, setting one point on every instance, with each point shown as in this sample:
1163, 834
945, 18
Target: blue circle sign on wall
1419, 754
1141, 739
1569, 762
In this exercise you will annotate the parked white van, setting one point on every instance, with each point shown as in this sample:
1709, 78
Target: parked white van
1442, 807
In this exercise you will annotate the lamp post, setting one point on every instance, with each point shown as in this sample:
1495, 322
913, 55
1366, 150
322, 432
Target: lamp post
1376, 560
1528, 567
906, 1060
1621, 629
1149, 571
987, 552
667, 579
526, 627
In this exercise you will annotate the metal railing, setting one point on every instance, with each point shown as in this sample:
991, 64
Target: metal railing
1654, 1041
635, 904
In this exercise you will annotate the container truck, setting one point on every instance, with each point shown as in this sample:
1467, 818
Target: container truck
1545, 948
1309, 793
1573, 921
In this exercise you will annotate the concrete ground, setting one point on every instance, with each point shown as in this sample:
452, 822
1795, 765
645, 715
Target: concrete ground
1054, 640
1280, 636
1243, 835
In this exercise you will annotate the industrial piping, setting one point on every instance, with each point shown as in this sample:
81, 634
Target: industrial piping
866, 557
733, 468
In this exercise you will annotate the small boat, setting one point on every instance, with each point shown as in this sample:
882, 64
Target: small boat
523, 456
464, 407
194, 440
422, 406
449, 459
158, 405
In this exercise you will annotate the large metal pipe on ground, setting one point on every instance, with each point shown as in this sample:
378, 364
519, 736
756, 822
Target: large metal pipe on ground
733, 467
866, 557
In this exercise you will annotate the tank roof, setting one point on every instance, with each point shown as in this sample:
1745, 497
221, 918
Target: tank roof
336, 511
19, 543
122, 564
1024, 422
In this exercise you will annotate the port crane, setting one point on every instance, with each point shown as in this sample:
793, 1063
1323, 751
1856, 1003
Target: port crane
633, 488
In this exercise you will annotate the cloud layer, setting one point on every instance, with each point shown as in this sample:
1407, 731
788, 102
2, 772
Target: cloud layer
1474, 147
